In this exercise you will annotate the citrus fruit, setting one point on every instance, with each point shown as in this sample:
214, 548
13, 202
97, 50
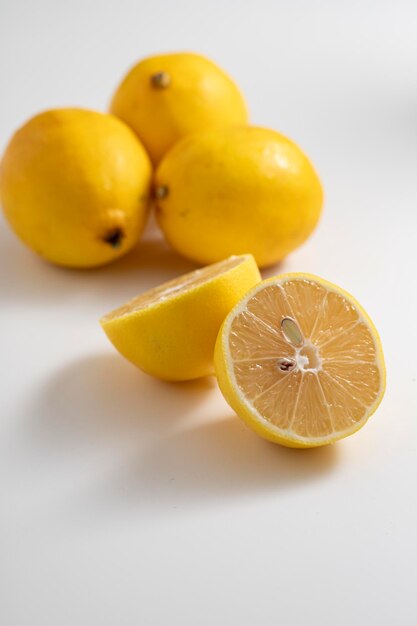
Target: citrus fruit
300, 361
74, 185
236, 190
170, 331
165, 97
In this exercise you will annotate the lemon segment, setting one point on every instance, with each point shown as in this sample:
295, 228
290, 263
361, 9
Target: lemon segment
300, 361
74, 186
166, 97
229, 191
170, 331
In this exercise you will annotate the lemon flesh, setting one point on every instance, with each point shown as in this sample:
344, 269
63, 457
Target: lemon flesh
300, 361
235, 190
165, 97
170, 331
74, 186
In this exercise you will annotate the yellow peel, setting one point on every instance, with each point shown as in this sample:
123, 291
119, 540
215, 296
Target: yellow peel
170, 331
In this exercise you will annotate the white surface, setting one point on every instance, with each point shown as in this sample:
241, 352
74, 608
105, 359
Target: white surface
126, 501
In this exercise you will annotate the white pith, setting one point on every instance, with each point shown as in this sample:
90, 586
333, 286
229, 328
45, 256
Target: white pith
303, 361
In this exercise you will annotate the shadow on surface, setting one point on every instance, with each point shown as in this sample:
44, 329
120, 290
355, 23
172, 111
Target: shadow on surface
167, 442
221, 459
26, 278
104, 395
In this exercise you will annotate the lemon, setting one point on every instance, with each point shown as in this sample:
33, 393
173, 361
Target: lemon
170, 331
74, 185
165, 97
300, 361
236, 190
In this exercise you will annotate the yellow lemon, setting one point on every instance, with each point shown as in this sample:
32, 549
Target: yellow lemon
163, 98
235, 190
170, 331
300, 361
74, 185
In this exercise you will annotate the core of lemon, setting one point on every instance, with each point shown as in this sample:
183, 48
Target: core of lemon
300, 361
170, 331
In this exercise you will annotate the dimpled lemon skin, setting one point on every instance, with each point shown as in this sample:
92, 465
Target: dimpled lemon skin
163, 98
234, 190
174, 339
74, 186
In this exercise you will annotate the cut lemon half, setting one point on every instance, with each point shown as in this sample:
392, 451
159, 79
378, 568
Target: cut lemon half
300, 361
170, 331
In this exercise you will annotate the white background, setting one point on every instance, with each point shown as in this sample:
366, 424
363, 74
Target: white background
126, 501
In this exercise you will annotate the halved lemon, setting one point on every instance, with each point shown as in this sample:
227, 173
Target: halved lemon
300, 361
170, 331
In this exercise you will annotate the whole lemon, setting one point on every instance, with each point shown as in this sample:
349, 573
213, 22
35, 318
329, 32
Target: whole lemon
163, 98
235, 191
74, 185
